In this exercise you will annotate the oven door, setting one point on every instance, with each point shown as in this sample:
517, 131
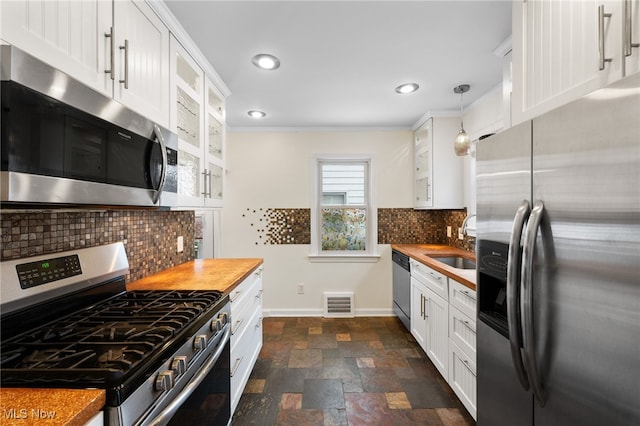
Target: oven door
210, 402
205, 398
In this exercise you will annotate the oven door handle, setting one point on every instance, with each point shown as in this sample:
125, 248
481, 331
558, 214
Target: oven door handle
166, 414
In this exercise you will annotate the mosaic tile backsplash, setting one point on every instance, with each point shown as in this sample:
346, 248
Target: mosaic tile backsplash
149, 236
280, 226
395, 226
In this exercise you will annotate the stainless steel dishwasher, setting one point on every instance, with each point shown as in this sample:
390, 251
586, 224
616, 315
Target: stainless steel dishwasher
401, 287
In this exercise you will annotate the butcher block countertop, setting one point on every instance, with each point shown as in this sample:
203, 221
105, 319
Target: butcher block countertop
421, 253
200, 274
69, 407
72, 407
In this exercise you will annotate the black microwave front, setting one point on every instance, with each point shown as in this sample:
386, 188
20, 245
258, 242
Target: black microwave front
53, 152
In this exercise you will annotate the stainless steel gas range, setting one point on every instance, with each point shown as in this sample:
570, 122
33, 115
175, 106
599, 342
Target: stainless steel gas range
161, 356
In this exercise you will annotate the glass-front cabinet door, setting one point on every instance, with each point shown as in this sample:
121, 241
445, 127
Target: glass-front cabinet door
187, 120
215, 143
197, 116
422, 172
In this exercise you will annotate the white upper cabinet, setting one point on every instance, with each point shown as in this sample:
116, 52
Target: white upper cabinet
197, 116
68, 35
565, 49
438, 172
631, 36
141, 60
118, 48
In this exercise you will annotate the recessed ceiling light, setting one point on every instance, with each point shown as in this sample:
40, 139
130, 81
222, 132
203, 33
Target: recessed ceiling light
407, 88
256, 114
266, 62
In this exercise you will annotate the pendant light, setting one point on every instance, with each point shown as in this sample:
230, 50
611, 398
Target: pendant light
462, 143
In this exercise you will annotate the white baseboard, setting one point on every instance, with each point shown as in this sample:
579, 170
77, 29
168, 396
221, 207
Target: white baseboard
318, 313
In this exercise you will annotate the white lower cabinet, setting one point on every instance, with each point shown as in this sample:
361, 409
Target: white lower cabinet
438, 331
418, 318
462, 344
443, 323
430, 313
462, 377
246, 332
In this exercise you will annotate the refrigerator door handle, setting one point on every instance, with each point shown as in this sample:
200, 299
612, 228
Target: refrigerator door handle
530, 237
513, 293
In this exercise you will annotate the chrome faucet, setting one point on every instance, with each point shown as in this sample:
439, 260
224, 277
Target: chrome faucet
464, 223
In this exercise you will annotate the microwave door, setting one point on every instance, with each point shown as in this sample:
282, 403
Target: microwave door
85, 146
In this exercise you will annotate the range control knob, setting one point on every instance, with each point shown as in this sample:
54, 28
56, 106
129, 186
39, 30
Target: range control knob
164, 381
216, 325
224, 317
179, 365
200, 342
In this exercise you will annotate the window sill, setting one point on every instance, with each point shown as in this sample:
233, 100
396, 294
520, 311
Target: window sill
344, 258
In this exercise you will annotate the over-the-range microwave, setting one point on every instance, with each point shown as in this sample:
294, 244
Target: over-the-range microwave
63, 143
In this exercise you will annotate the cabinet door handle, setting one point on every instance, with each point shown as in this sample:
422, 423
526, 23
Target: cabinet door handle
204, 179
628, 30
112, 41
126, 64
601, 54
428, 186
426, 315
421, 306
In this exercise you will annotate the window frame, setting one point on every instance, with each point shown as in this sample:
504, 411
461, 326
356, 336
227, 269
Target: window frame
370, 254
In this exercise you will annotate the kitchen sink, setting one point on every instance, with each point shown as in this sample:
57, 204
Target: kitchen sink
456, 261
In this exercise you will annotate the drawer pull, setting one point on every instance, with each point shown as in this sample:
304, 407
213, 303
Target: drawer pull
237, 326
468, 294
466, 324
235, 295
466, 363
259, 295
236, 365
259, 322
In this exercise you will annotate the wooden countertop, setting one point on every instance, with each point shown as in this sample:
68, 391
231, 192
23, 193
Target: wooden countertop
69, 407
200, 274
421, 253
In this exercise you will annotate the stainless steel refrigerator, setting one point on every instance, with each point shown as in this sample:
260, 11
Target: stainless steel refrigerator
558, 248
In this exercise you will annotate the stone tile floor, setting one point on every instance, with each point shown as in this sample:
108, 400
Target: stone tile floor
337, 371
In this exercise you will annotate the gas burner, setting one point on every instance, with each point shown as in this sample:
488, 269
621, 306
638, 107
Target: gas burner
58, 358
121, 358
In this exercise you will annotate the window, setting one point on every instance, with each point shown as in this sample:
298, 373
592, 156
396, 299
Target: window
343, 217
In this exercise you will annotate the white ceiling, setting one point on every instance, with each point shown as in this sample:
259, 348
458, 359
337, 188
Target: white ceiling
341, 60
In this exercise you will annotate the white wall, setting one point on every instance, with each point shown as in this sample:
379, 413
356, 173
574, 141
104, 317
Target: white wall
273, 170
